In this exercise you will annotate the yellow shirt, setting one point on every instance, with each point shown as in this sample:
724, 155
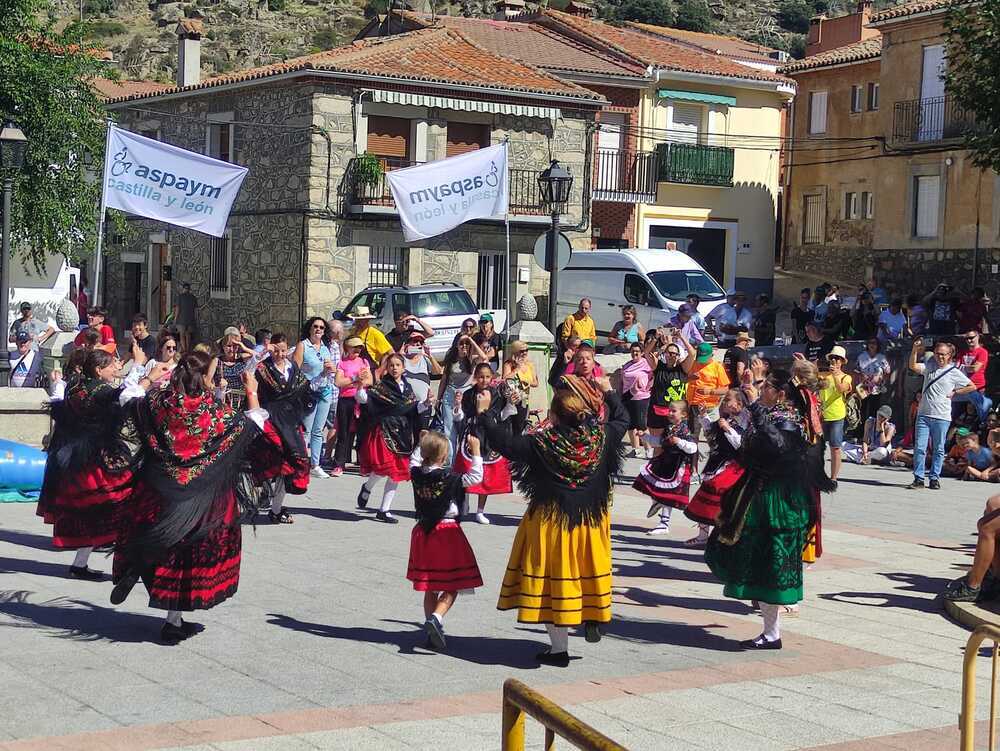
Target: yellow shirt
584, 329
830, 398
375, 342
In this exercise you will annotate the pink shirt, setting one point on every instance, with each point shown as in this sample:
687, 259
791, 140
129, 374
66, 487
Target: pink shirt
351, 369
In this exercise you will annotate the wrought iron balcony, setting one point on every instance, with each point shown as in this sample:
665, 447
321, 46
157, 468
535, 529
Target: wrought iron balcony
361, 194
929, 120
695, 164
624, 175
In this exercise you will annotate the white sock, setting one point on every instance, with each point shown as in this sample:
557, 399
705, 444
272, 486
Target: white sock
371, 482
438, 618
388, 495
174, 618
482, 505
704, 530
559, 636
82, 556
278, 499
772, 625
665, 515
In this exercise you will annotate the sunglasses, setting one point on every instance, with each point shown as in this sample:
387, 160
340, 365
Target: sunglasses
170, 347
319, 328
971, 338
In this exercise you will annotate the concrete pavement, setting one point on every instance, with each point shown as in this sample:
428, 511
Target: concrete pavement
321, 647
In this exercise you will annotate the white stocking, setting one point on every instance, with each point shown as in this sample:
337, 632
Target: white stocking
559, 636
772, 625
174, 618
665, 515
388, 495
278, 499
82, 556
371, 482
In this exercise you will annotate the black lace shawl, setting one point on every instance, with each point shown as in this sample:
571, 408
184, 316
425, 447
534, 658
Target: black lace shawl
562, 492
395, 411
472, 424
720, 449
434, 490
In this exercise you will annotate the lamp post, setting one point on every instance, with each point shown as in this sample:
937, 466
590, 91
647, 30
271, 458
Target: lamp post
555, 184
13, 145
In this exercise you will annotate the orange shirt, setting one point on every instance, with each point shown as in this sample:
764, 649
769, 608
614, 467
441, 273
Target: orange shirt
712, 376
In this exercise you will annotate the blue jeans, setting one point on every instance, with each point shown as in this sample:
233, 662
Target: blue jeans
934, 429
315, 422
448, 418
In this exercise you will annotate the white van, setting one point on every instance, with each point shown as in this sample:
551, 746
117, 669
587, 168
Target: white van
656, 282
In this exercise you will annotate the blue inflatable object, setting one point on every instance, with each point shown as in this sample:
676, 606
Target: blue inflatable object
21, 471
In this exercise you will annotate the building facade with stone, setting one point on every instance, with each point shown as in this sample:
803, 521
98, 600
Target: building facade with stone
311, 228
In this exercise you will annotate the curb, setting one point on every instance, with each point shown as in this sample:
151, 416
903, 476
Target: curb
970, 615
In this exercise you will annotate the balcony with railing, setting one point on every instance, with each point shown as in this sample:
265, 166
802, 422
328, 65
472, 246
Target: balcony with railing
931, 120
626, 176
376, 197
695, 164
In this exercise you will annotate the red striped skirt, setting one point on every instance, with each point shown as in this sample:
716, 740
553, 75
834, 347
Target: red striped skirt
376, 458
496, 475
442, 561
707, 501
670, 491
83, 509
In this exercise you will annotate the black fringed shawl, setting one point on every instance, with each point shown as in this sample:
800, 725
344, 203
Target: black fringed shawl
434, 490
287, 402
395, 410
567, 472
471, 425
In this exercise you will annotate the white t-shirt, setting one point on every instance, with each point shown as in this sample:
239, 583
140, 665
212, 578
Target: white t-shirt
938, 385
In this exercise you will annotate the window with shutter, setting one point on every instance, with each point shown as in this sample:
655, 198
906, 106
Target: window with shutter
868, 204
812, 220
817, 112
925, 205
850, 205
220, 140
466, 137
873, 96
685, 122
389, 137
221, 262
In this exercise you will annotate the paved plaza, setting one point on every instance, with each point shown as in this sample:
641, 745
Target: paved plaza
322, 647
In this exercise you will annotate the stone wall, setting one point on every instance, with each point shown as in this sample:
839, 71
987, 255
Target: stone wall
842, 263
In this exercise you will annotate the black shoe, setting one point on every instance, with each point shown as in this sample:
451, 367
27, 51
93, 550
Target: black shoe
555, 659
916, 485
171, 634
592, 632
123, 587
761, 643
190, 628
960, 591
385, 516
88, 574
363, 496
990, 588
934, 485
435, 634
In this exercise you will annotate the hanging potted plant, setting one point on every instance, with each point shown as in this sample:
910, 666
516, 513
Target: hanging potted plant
368, 173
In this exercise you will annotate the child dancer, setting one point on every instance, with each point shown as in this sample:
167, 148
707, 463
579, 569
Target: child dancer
667, 477
442, 563
723, 469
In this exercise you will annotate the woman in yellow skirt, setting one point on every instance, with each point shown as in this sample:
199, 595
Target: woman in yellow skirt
559, 571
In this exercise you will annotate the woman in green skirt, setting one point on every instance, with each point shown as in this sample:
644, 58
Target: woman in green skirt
756, 547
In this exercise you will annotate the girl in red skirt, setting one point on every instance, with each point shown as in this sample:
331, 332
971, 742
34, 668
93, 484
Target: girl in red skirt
723, 469
442, 563
496, 469
87, 472
667, 477
388, 428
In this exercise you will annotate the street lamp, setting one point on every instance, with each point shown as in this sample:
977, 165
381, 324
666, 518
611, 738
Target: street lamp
13, 146
555, 185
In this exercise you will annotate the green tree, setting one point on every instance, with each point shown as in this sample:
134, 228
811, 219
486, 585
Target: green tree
694, 15
656, 12
973, 77
45, 88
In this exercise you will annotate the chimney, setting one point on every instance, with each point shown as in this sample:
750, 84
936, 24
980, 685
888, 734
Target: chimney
189, 31
508, 9
576, 8
815, 35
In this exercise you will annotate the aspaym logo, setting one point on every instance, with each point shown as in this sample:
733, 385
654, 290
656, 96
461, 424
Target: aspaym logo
161, 186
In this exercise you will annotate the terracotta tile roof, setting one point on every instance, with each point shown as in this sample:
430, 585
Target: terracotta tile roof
428, 56
531, 43
869, 49
909, 9
722, 45
191, 27
115, 90
657, 52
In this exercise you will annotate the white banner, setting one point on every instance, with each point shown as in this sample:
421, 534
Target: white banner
436, 197
156, 180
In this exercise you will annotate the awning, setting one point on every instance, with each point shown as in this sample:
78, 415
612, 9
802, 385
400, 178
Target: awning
696, 96
465, 105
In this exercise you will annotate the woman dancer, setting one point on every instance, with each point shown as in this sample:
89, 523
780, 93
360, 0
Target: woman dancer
442, 563
496, 469
723, 469
667, 478
636, 382
286, 395
87, 472
756, 549
314, 358
559, 570
389, 426
180, 530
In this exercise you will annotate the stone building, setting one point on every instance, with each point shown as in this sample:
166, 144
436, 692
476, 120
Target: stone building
307, 231
879, 184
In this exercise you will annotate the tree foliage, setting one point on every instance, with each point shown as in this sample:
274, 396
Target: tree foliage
973, 76
656, 12
694, 15
45, 89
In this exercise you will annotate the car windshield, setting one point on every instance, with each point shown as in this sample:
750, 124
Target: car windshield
455, 302
677, 285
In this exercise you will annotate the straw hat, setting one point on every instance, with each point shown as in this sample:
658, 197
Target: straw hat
838, 351
354, 341
362, 313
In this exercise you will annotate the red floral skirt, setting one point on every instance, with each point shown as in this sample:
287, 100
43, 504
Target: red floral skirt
194, 575
670, 491
707, 501
496, 475
442, 561
83, 508
376, 458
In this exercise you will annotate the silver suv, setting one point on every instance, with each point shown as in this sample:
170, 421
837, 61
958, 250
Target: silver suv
443, 307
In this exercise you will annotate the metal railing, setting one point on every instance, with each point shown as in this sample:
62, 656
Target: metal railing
927, 120
518, 700
967, 719
525, 198
695, 164
629, 172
